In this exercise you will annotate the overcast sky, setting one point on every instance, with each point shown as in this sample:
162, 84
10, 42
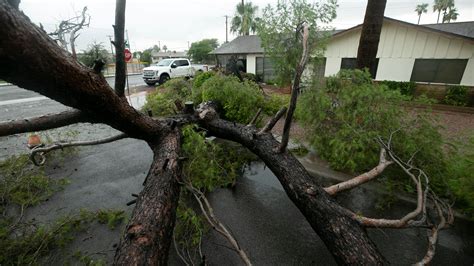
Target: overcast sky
174, 23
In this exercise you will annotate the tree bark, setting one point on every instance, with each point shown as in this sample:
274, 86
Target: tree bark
32, 60
370, 35
345, 238
149, 232
44, 122
119, 29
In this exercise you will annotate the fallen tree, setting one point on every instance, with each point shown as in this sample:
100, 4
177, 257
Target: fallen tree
32, 60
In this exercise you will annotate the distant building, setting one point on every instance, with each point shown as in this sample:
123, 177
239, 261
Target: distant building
158, 56
434, 53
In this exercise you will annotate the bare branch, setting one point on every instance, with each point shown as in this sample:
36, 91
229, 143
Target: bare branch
41, 151
42, 122
77, 27
215, 223
254, 119
361, 179
295, 89
119, 30
271, 123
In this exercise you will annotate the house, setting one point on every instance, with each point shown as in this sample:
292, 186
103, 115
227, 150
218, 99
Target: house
434, 53
158, 56
439, 53
248, 50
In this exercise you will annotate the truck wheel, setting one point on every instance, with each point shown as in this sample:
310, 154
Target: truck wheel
150, 83
164, 78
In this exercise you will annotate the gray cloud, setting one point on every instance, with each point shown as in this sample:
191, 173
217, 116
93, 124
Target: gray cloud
175, 23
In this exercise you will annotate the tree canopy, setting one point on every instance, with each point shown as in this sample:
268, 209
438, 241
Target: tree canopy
277, 31
95, 51
199, 51
245, 19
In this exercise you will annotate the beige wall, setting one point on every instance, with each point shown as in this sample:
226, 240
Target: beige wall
399, 46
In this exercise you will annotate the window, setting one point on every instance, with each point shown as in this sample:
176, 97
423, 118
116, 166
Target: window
264, 68
183, 63
439, 70
351, 63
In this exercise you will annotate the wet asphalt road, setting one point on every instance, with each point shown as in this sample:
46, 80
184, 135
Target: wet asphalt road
265, 222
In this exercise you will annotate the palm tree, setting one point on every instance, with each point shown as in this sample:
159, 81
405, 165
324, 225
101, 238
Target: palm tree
451, 15
244, 20
442, 6
420, 9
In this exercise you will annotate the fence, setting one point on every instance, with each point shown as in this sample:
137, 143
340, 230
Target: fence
132, 68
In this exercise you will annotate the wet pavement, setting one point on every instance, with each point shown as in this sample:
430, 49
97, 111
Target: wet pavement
258, 212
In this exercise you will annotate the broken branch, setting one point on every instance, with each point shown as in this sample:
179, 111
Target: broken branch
215, 223
295, 88
271, 123
361, 179
44, 122
42, 151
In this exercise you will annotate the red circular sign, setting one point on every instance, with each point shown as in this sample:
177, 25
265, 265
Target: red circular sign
128, 55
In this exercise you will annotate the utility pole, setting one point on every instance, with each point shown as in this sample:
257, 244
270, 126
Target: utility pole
226, 34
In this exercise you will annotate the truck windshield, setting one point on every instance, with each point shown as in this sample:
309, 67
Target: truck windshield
165, 62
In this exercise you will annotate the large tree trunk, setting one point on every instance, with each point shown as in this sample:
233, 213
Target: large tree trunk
345, 238
148, 234
32, 60
370, 36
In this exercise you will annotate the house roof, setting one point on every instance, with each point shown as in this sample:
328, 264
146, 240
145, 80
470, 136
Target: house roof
250, 44
459, 28
446, 29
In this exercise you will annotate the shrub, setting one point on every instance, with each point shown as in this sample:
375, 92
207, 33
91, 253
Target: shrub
202, 77
162, 101
274, 102
405, 88
456, 95
239, 100
461, 176
344, 120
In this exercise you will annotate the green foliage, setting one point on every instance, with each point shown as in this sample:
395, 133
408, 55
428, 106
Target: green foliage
199, 51
405, 88
456, 95
461, 176
111, 217
162, 101
277, 31
23, 184
200, 78
189, 227
210, 164
94, 51
344, 120
275, 102
239, 100
245, 21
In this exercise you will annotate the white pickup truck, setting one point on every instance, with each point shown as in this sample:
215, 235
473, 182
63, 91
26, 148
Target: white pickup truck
171, 68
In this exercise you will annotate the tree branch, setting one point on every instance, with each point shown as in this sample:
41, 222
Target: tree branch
148, 234
41, 151
40, 65
44, 122
215, 223
119, 30
271, 123
295, 88
361, 179
345, 238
